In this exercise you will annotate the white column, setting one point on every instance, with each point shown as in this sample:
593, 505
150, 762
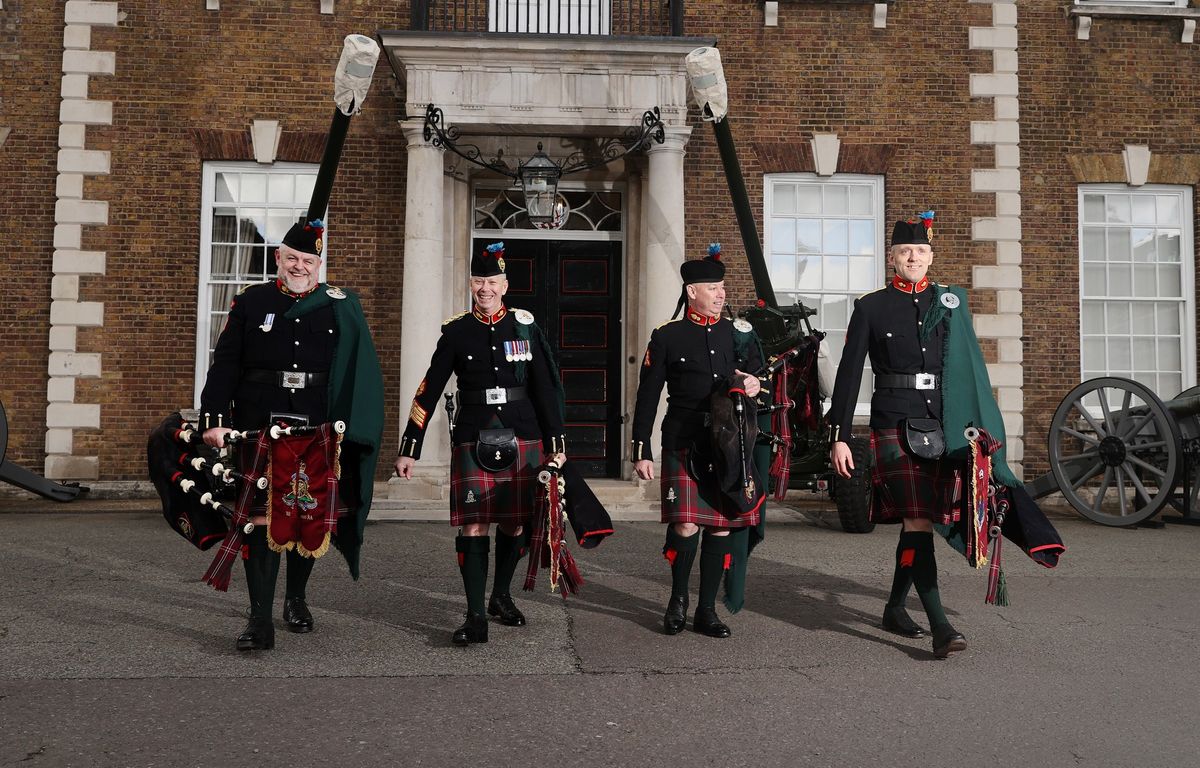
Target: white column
663, 226
662, 239
421, 313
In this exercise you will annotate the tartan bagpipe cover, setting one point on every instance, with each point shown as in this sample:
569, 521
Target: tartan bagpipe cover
312, 490
302, 497
547, 536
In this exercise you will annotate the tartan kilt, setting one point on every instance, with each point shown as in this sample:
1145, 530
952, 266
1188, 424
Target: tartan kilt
479, 496
685, 501
907, 487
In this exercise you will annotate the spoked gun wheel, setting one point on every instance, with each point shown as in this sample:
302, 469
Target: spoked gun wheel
1114, 451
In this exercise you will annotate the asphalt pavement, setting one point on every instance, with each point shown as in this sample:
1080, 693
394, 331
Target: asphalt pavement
113, 653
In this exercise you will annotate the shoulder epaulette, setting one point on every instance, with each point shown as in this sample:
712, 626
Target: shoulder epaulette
523, 316
673, 320
868, 293
452, 318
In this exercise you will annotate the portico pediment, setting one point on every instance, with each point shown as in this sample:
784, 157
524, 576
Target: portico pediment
541, 84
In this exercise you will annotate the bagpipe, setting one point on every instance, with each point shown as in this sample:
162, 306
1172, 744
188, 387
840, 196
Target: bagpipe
564, 499
286, 473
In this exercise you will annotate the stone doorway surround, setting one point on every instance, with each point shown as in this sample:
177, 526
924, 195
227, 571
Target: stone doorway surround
507, 91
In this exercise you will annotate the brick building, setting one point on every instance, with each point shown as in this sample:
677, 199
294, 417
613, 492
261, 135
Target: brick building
1057, 142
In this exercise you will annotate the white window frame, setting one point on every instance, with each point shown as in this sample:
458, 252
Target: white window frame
1187, 273
207, 202
877, 184
552, 17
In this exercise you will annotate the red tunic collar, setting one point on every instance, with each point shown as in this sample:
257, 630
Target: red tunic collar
700, 319
486, 319
282, 286
903, 285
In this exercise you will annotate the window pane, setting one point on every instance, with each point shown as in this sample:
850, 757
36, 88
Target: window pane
836, 236
836, 203
1143, 317
304, 188
224, 228
1143, 245
1168, 246
1168, 210
1143, 209
1169, 355
808, 270
1143, 354
808, 236
254, 188
1170, 385
836, 273
1119, 357
1094, 281
783, 235
862, 237
1119, 280
1144, 284
226, 188
834, 314
1168, 282
1168, 317
783, 271
1093, 354
1093, 208
1117, 209
279, 188
783, 198
277, 226
808, 199
1093, 317
860, 201
863, 274
1118, 316
1093, 244
1119, 248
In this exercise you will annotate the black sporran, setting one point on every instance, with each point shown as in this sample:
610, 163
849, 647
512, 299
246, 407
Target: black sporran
496, 449
923, 438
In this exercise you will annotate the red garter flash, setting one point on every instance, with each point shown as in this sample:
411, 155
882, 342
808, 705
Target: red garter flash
302, 499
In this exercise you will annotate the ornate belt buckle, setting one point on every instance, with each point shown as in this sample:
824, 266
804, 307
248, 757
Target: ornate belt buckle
292, 379
926, 381
495, 396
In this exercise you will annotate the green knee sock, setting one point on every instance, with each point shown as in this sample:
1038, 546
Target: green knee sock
262, 570
509, 551
680, 552
714, 559
473, 565
925, 579
299, 568
902, 580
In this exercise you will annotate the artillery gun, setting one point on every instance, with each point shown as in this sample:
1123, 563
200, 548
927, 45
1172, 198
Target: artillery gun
1119, 454
783, 328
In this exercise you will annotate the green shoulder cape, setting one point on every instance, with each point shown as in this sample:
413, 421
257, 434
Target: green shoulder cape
355, 397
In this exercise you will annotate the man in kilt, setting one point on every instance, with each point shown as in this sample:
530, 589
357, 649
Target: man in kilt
693, 356
299, 347
507, 380
907, 360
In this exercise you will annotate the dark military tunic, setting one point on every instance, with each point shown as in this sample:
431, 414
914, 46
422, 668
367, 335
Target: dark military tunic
691, 356
887, 325
473, 346
256, 344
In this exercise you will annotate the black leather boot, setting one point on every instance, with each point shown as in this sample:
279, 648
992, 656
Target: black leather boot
947, 641
706, 622
504, 607
259, 635
473, 630
897, 621
295, 612
676, 616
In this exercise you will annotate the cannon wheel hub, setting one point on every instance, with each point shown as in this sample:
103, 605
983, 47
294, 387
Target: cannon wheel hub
1112, 451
